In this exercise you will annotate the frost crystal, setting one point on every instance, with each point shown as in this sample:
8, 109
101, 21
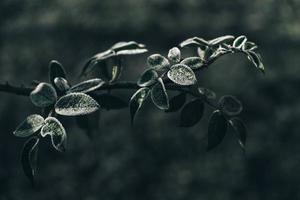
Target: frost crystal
74, 104
29, 126
57, 132
182, 75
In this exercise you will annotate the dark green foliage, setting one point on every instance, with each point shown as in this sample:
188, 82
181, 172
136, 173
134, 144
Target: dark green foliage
217, 127
159, 95
148, 78
56, 70
240, 130
192, 113
29, 157
174, 72
230, 105
137, 100
176, 102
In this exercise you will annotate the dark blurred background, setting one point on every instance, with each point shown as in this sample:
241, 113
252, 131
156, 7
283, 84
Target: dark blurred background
156, 159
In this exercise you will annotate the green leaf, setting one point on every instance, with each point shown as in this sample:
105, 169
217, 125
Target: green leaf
29, 158
56, 70
193, 62
195, 41
127, 46
131, 52
96, 59
192, 113
221, 40
43, 95
61, 84
201, 53
87, 86
177, 102
239, 42
249, 46
137, 100
182, 75
148, 78
55, 129
217, 128
159, 95
174, 54
209, 94
256, 60
29, 126
110, 102
116, 70
230, 105
240, 129
74, 104
158, 62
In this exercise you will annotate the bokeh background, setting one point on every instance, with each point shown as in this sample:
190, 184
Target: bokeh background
156, 159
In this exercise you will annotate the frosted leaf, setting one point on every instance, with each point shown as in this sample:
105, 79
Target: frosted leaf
131, 51
159, 95
174, 54
87, 86
195, 41
147, 78
29, 157
61, 84
220, 40
239, 42
181, 74
43, 95
56, 70
98, 58
137, 100
158, 62
209, 94
193, 62
29, 126
230, 105
55, 129
127, 45
74, 104
256, 60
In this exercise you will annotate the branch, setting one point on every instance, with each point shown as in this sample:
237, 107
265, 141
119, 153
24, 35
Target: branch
17, 90
25, 90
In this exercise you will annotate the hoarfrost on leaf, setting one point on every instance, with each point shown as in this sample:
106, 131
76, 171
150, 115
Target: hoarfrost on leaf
74, 104
29, 126
159, 95
158, 62
181, 74
43, 95
55, 129
87, 86
174, 54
